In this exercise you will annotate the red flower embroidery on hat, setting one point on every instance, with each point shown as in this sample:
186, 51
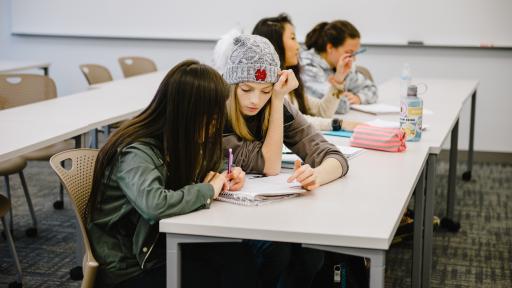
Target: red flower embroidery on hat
260, 75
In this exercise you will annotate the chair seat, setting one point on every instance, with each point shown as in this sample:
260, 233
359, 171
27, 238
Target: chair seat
5, 204
12, 166
44, 154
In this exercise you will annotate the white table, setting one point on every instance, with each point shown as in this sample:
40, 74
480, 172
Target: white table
30, 127
350, 215
9, 66
445, 98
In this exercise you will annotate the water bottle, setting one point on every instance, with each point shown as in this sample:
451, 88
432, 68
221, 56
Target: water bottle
411, 114
405, 80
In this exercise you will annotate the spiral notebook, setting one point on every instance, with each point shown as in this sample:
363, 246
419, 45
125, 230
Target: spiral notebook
259, 190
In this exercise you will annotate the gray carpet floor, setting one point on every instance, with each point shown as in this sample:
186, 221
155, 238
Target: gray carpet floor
480, 255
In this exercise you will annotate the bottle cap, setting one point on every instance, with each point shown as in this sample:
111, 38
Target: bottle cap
412, 90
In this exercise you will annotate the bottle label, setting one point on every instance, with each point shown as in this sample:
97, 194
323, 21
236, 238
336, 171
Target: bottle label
411, 112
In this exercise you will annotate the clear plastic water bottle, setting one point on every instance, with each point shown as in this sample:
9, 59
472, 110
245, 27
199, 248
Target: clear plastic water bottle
405, 80
411, 114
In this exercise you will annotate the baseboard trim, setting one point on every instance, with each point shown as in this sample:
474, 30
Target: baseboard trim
479, 156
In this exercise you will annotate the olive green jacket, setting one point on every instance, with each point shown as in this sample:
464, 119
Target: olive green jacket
124, 231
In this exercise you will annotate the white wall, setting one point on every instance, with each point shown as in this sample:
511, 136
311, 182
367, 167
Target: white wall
492, 67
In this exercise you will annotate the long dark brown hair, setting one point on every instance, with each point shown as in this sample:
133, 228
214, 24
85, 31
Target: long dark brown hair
272, 28
184, 119
335, 32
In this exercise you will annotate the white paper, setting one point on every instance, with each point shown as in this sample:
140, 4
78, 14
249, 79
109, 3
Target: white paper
384, 123
377, 108
347, 151
258, 187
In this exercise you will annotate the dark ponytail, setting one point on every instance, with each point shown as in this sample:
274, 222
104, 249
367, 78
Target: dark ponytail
314, 38
335, 33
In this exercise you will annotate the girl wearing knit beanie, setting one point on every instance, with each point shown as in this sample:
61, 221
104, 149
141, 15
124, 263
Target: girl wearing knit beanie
260, 120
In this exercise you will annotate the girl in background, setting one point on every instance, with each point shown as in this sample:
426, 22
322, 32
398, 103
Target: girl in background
318, 111
328, 45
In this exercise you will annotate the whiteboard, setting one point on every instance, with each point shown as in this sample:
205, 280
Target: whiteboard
394, 22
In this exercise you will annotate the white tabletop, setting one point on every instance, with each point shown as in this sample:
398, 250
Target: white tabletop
30, 127
361, 210
7, 66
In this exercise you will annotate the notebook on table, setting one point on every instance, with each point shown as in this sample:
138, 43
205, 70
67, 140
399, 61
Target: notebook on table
259, 190
289, 157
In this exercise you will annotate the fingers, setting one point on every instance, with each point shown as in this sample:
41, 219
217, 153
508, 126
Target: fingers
303, 173
209, 177
235, 172
237, 183
296, 167
283, 76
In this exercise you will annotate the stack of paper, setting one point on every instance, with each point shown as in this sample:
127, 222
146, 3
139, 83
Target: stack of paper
377, 108
289, 157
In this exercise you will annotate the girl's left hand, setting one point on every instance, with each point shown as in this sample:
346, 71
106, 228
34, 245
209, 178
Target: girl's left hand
286, 83
236, 179
352, 98
305, 175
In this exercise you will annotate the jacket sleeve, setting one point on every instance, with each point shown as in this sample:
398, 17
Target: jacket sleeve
362, 87
314, 80
307, 142
143, 185
326, 106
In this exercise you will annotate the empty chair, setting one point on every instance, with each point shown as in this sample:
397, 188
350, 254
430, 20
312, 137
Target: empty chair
95, 74
78, 183
16, 166
366, 73
22, 89
5, 205
133, 66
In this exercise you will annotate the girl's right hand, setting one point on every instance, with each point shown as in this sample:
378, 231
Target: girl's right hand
343, 67
286, 83
219, 181
349, 125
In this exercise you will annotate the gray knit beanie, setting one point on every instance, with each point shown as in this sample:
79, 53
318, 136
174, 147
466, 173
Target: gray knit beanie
253, 59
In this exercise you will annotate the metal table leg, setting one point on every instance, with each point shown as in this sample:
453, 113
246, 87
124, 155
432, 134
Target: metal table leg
429, 214
419, 210
467, 175
448, 221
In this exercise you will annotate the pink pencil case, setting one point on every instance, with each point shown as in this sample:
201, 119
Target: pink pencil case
378, 138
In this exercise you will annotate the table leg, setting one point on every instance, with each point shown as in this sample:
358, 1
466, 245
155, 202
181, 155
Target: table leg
448, 221
466, 176
419, 210
429, 214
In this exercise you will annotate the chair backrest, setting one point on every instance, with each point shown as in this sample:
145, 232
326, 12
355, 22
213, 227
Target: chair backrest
22, 89
78, 182
95, 74
133, 66
366, 73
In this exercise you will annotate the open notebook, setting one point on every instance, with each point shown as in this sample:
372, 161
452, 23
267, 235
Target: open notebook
289, 157
259, 189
